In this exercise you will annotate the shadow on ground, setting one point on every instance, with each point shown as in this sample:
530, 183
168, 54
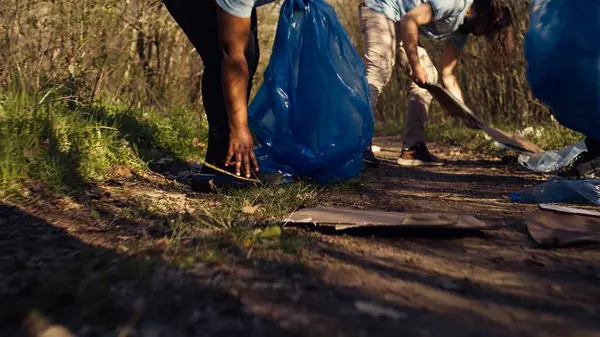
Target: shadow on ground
82, 279
89, 273
95, 289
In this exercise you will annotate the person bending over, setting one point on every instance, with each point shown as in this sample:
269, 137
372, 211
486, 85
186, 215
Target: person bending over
395, 26
224, 33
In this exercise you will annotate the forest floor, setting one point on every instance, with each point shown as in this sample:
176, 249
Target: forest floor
143, 255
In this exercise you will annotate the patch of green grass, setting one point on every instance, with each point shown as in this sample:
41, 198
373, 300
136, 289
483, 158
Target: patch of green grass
458, 135
55, 144
353, 185
388, 129
547, 135
252, 218
227, 225
62, 143
154, 134
553, 136
262, 204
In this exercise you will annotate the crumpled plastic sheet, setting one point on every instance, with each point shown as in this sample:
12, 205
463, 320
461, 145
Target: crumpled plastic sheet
553, 160
560, 190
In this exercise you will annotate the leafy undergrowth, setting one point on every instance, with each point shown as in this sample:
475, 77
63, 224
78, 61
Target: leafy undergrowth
55, 147
546, 135
54, 139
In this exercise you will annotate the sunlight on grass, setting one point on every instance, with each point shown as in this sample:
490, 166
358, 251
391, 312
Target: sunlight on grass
63, 143
547, 135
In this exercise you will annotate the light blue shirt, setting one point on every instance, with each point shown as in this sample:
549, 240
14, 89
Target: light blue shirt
239, 8
448, 15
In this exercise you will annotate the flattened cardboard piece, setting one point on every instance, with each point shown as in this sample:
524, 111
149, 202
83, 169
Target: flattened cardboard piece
510, 140
342, 219
453, 106
457, 109
550, 228
569, 210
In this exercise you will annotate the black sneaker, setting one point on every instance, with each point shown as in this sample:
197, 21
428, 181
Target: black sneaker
586, 165
369, 159
418, 155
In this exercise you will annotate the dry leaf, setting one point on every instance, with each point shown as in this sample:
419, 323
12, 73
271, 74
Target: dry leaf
249, 209
122, 172
196, 142
271, 232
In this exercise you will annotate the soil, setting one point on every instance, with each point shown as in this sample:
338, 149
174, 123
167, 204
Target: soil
73, 267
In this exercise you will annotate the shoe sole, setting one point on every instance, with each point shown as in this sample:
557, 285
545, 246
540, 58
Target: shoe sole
416, 162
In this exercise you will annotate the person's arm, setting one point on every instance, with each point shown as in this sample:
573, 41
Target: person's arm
409, 33
448, 63
234, 32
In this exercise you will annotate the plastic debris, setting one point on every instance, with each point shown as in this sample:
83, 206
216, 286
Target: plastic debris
559, 190
553, 160
312, 115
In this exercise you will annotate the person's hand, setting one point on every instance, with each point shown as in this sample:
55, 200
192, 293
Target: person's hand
241, 150
419, 75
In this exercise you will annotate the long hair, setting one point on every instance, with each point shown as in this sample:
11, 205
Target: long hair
498, 16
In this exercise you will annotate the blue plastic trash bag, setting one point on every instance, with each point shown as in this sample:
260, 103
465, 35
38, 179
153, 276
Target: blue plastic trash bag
560, 190
562, 50
312, 115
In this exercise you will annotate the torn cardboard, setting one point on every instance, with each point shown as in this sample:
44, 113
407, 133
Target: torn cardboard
342, 219
569, 210
458, 109
556, 228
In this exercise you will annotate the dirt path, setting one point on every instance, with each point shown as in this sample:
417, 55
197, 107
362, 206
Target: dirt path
499, 284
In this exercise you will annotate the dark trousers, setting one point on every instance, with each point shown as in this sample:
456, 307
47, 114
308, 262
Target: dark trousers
198, 19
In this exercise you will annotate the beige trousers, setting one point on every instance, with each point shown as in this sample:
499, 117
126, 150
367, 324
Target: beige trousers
382, 40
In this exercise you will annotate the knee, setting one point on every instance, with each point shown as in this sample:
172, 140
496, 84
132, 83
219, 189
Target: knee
378, 71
